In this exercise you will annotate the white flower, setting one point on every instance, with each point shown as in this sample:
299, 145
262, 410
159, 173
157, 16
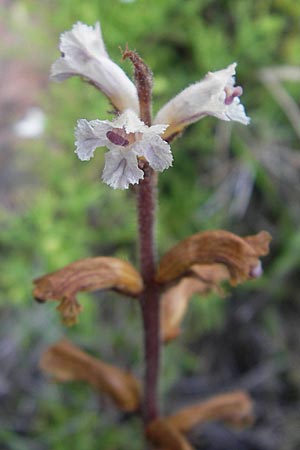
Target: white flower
127, 138
84, 54
215, 95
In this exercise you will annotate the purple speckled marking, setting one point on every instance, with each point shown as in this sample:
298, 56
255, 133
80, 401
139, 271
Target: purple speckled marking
116, 139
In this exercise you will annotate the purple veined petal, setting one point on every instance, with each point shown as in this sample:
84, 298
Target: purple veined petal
121, 169
89, 136
156, 151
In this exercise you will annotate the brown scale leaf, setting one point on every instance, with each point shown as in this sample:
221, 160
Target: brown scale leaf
234, 408
168, 433
164, 436
239, 255
89, 274
175, 301
66, 362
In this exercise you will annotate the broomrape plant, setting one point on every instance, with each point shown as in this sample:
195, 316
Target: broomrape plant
138, 148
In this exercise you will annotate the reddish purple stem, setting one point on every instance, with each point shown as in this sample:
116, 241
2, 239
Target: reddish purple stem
150, 297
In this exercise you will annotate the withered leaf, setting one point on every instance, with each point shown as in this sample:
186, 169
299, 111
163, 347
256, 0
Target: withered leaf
89, 274
239, 255
234, 408
174, 302
66, 362
164, 436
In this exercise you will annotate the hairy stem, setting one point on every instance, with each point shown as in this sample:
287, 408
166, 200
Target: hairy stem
150, 297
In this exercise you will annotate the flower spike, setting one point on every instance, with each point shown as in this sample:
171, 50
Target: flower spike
127, 139
216, 95
83, 53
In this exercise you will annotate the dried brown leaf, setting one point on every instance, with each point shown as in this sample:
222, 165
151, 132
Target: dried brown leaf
239, 255
164, 436
234, 408
66, 362
167, 433
174, 302
89, 274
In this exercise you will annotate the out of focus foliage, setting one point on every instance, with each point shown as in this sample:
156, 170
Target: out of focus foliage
223, 176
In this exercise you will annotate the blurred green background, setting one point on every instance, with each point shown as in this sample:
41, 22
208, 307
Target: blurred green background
55, 209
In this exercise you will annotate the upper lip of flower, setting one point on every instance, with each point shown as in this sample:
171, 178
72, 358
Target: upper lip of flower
83, 53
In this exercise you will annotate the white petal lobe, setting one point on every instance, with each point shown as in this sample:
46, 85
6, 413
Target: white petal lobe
83, 42
236, 112
156, 151
89, 136
121, 169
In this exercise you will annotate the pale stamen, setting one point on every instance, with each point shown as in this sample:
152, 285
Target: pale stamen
256, 271
231, 93
118, 136
117, 139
